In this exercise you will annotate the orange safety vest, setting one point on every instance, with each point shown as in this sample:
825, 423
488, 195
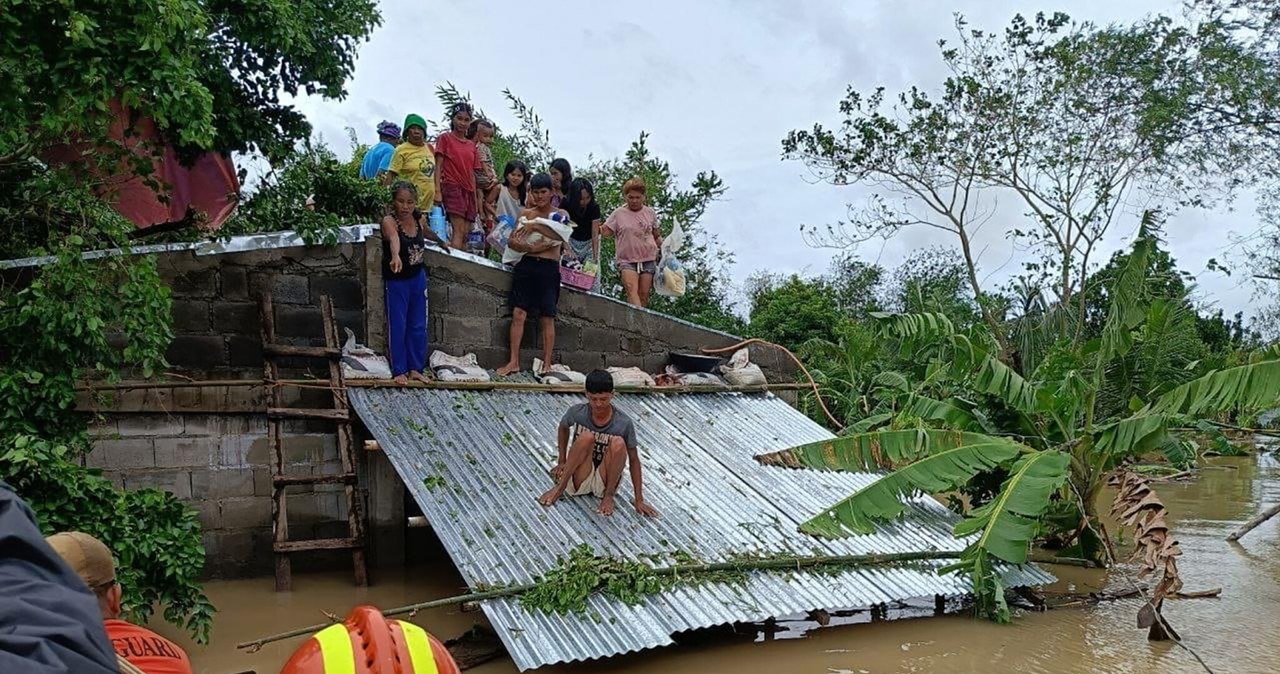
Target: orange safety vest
368, 643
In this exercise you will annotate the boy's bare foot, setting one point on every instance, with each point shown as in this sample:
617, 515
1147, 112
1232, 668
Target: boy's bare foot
400, 379
550, 498
508, 369
418, 376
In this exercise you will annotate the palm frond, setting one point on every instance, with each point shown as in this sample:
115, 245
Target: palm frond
861, 452
1008, 523
1179, 452
892, 379
912, 326
1130, 436
868, 423
1249, 387
954, 416
882, 500
989, 375
1128, 301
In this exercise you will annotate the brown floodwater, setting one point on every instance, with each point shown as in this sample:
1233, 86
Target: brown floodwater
1234, 633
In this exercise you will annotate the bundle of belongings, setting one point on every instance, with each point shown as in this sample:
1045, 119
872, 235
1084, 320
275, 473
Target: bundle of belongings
556, 226
556, 374
360, 362
457, 368
740, 371
674, 377
630, 376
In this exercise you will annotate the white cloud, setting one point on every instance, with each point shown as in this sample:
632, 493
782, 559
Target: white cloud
718, 83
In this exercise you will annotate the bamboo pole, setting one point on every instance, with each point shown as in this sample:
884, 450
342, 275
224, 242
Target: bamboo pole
1253, 523
772, 563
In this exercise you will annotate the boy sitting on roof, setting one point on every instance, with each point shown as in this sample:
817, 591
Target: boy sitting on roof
604, 442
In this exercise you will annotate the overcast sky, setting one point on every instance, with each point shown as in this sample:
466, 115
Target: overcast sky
718, 83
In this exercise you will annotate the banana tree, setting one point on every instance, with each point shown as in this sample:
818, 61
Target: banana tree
1063, 442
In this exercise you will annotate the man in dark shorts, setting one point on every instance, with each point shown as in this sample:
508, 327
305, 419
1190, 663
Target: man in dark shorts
535, 283
604, 441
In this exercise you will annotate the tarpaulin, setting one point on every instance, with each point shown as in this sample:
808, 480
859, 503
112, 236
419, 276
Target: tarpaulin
203, 190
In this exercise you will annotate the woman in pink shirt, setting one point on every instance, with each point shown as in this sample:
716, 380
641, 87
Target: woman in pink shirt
635, 228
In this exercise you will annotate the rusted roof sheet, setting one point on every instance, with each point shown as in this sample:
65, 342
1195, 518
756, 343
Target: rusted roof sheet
476, 460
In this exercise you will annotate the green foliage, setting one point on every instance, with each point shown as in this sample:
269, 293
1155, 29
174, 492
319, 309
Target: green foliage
1249, 387
566, 588
792, 311
212, 75
882, 500
342, 197
1007, 524
864, 451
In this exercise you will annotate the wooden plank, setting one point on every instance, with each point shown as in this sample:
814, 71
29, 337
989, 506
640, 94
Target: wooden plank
372, 446
294, 480
443, 385
287, 350
304, 413
287, 547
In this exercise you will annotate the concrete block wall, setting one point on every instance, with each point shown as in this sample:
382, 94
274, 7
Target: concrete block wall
220, 464
217, 332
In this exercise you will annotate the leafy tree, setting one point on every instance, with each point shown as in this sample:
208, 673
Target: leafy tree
1065, 430
341, 197
214, 77
855, 285
932, 280
790, 311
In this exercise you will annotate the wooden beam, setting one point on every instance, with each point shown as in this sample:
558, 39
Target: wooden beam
440, 385
301, 351
317, 544
372, 446
303, 413
294, 480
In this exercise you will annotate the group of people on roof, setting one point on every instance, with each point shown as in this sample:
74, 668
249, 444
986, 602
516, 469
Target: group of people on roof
557, 219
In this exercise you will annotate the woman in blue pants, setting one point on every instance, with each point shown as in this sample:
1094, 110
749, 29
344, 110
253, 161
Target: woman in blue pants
404, 247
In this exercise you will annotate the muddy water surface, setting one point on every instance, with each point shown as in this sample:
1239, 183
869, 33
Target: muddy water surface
1236, 633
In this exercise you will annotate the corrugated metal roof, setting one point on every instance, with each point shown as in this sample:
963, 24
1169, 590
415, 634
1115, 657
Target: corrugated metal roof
491, 451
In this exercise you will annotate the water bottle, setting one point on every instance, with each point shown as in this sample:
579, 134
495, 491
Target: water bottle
438, 224
475, 239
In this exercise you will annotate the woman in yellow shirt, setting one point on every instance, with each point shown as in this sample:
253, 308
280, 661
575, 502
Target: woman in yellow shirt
415, 161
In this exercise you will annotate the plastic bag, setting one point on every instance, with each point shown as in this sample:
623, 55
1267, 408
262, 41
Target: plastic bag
360, 362
630, 376
556, 374
670, 279
740, 371
457, 368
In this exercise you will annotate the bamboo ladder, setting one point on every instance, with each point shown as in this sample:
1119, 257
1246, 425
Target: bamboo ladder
340, 415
